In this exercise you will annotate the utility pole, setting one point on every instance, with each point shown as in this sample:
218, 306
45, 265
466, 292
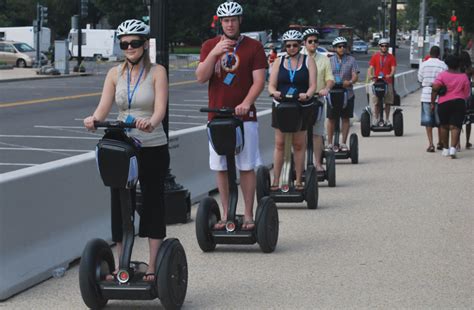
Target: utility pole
38, 36
393, 26
421, 27
384, 7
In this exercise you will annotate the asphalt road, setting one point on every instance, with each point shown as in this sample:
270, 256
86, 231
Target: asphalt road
42, 119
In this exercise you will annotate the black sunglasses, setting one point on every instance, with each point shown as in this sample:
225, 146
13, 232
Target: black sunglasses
384, 45
312, 41
134, 43
292, 45
340, 46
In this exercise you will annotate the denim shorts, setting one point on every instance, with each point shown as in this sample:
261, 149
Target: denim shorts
429, 118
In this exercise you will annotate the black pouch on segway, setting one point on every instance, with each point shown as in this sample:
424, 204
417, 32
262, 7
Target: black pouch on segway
226, 135
337, 98
117, 159
379, 88
289, 116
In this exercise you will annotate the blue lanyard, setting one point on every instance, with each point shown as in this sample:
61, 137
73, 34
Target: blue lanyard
230, 58
339, 68
292, 72
382, 62
130, 95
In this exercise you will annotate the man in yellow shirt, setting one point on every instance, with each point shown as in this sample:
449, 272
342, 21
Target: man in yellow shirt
324, 83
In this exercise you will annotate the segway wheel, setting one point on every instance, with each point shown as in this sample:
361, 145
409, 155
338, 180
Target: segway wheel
398, 124
172, 271
311, 188
331, 168
207, 215
97, 261
365, 124
263, 182
267, 225
354, 148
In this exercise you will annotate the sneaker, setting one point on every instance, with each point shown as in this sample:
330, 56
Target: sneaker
329, 147
445, 152
452, 152
387, 123
344, 148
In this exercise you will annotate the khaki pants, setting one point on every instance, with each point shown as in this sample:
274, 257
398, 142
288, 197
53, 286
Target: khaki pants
388, 99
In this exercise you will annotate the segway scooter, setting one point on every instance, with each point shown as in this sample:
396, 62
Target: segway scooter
290, 119
337, 99
226, 134
117, 160
366, 122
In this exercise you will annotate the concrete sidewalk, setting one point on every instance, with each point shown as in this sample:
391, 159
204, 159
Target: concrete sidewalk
396, 232
16, 74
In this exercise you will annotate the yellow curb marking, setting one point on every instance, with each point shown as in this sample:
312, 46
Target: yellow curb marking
19, 103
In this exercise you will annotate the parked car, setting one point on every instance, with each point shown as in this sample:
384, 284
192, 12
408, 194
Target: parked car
360, 47
19, 54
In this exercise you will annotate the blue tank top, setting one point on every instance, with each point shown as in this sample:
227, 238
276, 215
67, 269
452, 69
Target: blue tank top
300, 81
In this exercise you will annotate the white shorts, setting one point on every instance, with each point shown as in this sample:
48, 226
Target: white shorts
246, 160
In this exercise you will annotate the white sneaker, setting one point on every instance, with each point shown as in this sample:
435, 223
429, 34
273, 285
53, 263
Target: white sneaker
452, 152
445, 152
387, 123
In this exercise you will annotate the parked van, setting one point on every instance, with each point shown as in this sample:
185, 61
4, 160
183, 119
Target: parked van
19, 54
27, 35
96, 43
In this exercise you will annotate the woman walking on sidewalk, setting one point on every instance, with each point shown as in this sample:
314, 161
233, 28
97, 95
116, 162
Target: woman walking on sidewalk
453, 88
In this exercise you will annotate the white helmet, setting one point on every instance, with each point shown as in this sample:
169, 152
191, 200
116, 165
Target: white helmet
292, 35
339, 40
384, 41
228, 9
133, 27
310, 32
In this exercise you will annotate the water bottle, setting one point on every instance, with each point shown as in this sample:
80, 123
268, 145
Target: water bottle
59, 272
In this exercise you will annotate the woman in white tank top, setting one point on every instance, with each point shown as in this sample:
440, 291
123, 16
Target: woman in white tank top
140, 90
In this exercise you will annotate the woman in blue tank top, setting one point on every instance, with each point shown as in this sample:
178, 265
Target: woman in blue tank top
293, 76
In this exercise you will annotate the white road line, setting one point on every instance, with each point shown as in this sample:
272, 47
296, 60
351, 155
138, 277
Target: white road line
190, 104
60, 127
49, 137
190, 116
43, 150
195, 100
15, 164
186, 123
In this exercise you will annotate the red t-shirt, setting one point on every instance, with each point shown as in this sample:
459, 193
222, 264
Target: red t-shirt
384, 64
249, 56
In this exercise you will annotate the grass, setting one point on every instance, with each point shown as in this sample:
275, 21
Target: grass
187, 50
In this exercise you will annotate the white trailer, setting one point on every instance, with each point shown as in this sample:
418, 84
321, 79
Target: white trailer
96, 43
27, 35
440, 39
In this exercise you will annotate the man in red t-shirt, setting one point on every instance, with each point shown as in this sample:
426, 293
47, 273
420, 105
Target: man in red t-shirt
382, 64
235, 67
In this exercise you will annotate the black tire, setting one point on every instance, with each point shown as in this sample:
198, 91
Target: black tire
263, 182
97, 261
311, 188
207, 215
98, 57
172, 271
21, 63
398, 124
354, 148
365, 124
267, 225
331, 168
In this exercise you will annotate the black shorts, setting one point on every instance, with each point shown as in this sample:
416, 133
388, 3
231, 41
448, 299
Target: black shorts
348, 112
452, 112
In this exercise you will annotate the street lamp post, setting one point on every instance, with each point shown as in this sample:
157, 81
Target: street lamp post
379, 9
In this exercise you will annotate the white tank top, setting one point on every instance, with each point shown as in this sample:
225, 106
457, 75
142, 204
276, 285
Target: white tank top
142, 106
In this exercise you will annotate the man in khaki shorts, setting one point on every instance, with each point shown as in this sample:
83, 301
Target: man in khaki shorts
382, 64
324, 83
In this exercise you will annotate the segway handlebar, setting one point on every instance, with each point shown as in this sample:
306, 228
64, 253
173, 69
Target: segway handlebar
113, 124
228, 111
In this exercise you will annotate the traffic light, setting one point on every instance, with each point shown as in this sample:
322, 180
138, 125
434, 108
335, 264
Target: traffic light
459, 29
84, 8
44, 15
453, 18
215, 19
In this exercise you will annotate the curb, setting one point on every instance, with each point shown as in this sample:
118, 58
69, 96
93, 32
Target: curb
40, 77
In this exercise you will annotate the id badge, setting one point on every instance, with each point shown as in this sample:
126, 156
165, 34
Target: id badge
338, 80
229, 78
291, 92
129, 120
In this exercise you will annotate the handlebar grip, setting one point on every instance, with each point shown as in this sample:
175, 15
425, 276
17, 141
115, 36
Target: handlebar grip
219, 111
113, 124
